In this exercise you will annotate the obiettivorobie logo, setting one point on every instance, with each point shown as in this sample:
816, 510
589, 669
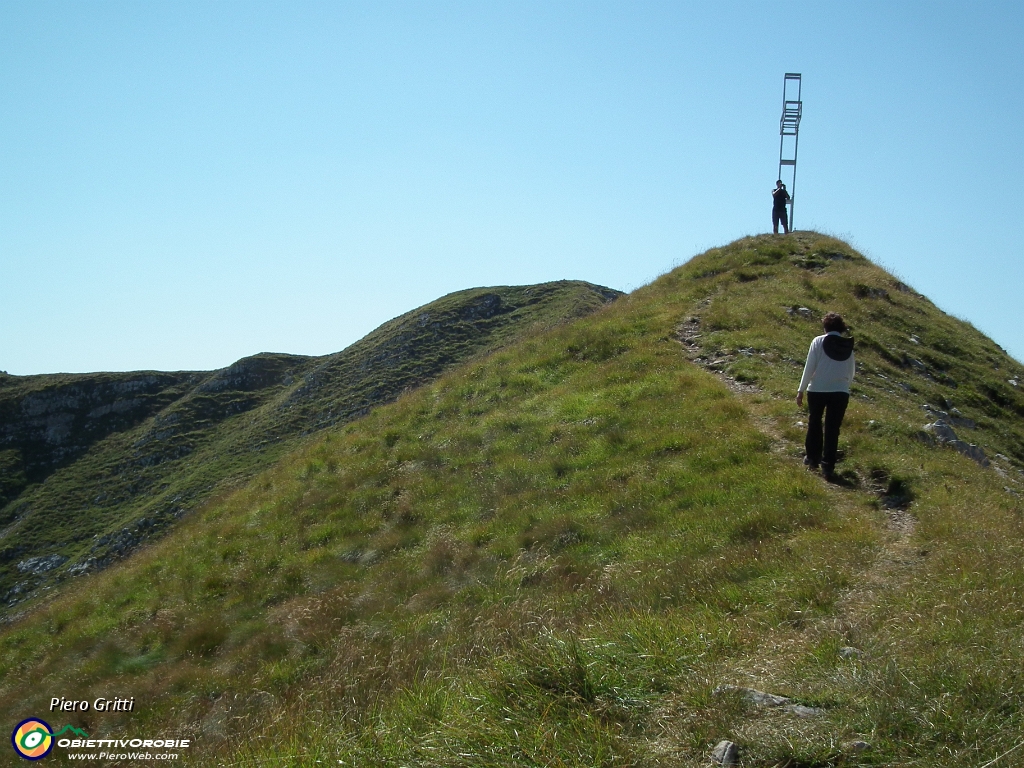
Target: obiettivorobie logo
34, 738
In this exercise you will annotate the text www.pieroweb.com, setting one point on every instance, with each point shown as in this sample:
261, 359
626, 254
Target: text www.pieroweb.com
104, 756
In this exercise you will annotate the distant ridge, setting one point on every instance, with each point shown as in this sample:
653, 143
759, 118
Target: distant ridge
92, 465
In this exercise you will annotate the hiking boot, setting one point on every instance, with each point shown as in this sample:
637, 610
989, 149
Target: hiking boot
812, 465
828, 472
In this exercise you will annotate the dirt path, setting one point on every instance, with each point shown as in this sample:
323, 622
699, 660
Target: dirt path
896, 557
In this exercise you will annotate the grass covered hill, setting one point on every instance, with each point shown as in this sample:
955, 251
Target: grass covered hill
598, 547
93, 465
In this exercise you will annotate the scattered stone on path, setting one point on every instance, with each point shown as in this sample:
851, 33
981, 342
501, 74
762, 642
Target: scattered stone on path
725, 753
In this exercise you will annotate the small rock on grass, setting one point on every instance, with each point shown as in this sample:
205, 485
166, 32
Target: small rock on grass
762, 699
725, 753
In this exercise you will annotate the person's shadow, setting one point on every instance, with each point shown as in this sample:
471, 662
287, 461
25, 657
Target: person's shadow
846, 479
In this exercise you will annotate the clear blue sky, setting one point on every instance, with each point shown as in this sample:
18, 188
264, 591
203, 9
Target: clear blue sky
183, 184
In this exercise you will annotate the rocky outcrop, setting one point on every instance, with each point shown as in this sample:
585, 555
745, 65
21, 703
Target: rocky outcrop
943, 433
48, 421
36, 565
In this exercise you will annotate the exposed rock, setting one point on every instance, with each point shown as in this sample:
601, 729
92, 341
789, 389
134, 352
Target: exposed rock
83, 567
870, 292
944, 433
802, 311
15, 594
857, 746
725, 753
754, 696
849, 652
762, 699
952, 417
904, 288
41, 564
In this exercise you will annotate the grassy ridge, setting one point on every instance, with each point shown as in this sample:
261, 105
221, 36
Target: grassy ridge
557, 554
96, 464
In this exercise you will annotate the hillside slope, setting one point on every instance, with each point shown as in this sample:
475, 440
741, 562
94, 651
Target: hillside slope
93, 465
596, 547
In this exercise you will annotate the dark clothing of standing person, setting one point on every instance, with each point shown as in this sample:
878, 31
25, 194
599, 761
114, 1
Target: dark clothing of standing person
779, 199
822, 444
828, 374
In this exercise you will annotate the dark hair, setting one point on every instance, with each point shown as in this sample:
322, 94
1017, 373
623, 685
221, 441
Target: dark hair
833, 321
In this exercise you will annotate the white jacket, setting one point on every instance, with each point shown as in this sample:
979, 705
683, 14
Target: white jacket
826, 374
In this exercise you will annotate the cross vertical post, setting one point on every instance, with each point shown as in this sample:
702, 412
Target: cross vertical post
789, 134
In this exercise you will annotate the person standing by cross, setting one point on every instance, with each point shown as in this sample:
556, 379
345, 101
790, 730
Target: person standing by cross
780, 197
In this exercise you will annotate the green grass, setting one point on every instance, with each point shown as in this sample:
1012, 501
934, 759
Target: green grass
556, 554
100, 463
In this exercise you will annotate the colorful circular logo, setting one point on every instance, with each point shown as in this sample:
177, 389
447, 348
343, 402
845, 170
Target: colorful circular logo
33, 739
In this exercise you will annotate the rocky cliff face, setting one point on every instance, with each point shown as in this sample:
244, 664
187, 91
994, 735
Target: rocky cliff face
48, 421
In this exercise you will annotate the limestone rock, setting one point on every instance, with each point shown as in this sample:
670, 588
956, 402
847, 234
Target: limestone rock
41, 564
725, 753
953, 417
762, 699
944, 433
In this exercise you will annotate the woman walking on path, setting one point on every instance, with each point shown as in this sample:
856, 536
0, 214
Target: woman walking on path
828, 374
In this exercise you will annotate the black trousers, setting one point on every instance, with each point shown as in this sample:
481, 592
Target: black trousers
779, 215
821, 448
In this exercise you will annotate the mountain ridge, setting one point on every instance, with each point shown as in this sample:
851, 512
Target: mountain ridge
598, 546
93, 465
